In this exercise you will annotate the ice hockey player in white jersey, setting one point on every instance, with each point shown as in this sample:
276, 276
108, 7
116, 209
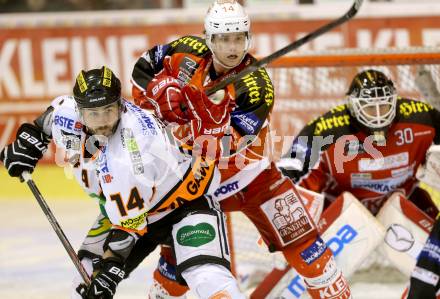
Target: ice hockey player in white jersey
154, 194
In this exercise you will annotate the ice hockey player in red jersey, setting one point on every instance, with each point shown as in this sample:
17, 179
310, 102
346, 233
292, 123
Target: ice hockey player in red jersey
250, 182
371, 146
368, 150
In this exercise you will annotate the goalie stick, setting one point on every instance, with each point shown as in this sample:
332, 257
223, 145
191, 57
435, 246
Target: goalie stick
295, 45
26, 176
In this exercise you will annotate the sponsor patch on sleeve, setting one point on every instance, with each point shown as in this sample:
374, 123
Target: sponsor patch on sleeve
314, 251
249, 123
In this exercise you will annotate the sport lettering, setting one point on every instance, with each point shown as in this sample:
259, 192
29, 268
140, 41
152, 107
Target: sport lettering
226, 189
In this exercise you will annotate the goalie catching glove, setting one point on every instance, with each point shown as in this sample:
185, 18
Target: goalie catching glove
23, 154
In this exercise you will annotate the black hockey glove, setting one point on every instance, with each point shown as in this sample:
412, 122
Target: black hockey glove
23, 154
104, 284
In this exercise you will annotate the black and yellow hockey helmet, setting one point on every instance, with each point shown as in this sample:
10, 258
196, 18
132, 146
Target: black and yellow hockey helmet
96, 88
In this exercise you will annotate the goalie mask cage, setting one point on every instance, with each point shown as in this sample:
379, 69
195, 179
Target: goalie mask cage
306, 85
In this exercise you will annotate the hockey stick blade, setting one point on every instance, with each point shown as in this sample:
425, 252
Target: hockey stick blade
295, 45
26, 177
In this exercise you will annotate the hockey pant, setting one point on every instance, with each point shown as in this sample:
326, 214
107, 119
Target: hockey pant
197, 234
200, 247
272, 204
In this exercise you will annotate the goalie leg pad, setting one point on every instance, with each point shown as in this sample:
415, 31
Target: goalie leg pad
407, 229
350, 231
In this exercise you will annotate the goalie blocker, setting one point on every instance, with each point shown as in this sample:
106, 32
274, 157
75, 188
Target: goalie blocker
353, 233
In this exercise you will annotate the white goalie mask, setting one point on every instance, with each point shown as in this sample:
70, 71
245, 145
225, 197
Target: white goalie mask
372, 99
227, 30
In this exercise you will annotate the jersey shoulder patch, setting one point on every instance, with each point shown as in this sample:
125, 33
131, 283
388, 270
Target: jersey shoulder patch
409, 110
254, 89
189, 44
334, 122
65, 115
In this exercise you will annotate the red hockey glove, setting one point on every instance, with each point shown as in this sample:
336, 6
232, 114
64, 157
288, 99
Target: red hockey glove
165, 97
208, 120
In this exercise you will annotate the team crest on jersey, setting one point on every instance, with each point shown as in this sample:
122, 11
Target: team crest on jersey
288, 217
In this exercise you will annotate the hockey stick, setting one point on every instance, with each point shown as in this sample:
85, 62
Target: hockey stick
26, 176
295, 45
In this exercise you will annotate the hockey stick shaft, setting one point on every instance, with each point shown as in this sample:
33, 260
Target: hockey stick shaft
31, 184
283, 51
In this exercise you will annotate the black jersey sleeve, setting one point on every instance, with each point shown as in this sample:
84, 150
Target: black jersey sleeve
254, 98
435, 117
316, 137
151, 61
424, 282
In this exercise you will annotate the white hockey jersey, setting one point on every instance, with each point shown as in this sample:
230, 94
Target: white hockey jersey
69, 138
142, 173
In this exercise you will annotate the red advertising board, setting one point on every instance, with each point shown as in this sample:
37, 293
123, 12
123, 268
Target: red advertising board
39, 63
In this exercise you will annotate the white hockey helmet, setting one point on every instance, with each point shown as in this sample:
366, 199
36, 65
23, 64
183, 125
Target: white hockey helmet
226, 16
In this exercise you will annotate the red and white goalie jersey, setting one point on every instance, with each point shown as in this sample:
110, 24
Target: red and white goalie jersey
336, 155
